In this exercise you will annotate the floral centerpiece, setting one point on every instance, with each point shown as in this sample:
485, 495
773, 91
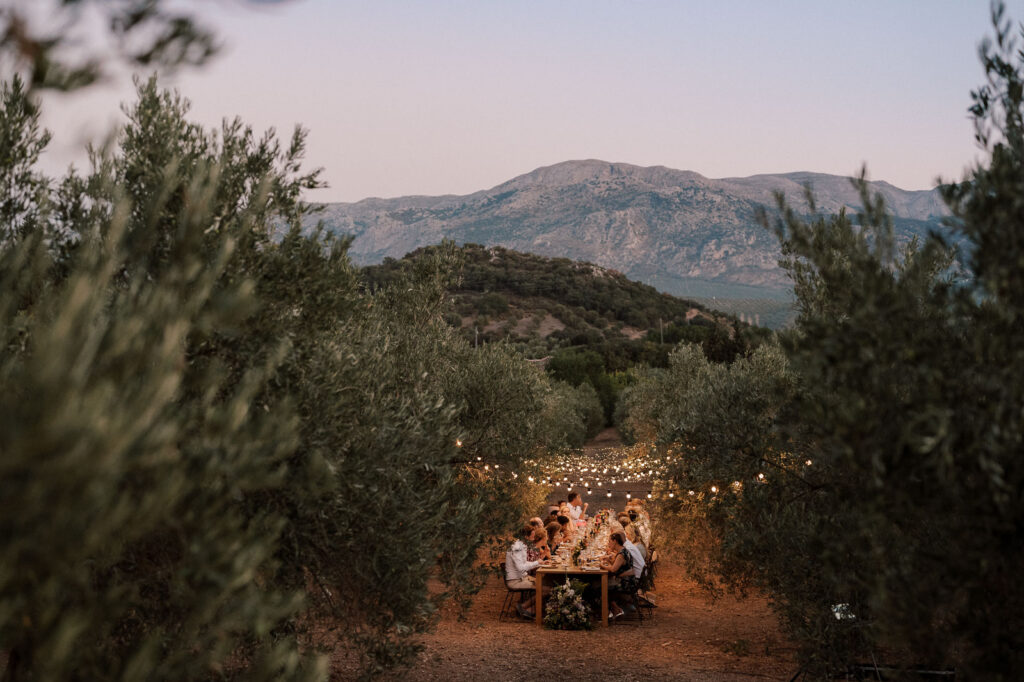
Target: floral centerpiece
566, 609
581, 545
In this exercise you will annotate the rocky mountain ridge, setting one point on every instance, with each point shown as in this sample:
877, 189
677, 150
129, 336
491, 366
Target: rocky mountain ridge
677, 230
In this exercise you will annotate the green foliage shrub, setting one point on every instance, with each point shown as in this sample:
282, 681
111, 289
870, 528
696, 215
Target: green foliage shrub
213, 438
869, 481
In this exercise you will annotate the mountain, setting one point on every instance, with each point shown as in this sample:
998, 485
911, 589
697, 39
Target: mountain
677, 230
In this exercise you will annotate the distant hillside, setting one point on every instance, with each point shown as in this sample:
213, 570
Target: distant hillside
549, 304
677, 230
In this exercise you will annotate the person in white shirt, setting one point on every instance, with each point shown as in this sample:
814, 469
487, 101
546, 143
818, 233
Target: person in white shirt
576, 512
518, 567
638, 557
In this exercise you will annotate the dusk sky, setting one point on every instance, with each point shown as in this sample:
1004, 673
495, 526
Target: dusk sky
422, 97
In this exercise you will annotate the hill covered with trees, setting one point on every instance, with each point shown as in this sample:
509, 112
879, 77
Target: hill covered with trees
585, 323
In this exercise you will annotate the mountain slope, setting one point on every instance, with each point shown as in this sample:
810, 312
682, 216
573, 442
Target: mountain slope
654, 224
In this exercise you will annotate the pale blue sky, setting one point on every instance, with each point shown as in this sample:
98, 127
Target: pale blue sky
423, 97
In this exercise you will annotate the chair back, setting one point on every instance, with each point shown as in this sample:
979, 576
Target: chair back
645, 578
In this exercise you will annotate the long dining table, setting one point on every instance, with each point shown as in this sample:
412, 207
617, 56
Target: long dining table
567, 571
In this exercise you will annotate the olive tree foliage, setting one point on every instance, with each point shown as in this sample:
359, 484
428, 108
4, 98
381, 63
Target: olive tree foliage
210, 429
572, 414
70, 44
887, 520
126, 464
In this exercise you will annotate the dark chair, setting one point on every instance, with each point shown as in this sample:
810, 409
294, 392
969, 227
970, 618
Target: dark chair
510, 596
637, 600
653, 564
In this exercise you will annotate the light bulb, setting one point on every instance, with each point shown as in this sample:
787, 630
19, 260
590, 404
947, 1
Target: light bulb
714, 489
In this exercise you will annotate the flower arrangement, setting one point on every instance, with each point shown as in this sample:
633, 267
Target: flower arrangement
566, 609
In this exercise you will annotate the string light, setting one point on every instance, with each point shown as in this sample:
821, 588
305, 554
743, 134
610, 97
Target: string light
628, 495
808, 462
458, 442
714, 489
609, 493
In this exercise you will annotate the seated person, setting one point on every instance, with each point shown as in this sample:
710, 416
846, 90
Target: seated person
625, 572
576, 512
552, 530
628, 528
517, 570
639, 556
567, 530
541, 551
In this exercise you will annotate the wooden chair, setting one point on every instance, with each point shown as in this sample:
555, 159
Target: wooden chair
510, 595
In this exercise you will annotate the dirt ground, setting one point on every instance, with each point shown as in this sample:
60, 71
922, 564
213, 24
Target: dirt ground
690, 638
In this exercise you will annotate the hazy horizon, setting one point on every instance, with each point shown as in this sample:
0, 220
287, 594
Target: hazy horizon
406, 98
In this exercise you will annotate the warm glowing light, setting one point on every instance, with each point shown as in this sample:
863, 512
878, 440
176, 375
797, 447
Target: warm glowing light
628, 496
458, 443
808, 462
714, 489
760, 477
609, 493
673, 494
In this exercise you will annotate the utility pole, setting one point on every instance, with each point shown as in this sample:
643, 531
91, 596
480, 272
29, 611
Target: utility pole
661, 326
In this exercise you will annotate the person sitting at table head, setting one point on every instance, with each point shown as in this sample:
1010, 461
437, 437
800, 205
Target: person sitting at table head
620, 565
577, 512
518, 567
